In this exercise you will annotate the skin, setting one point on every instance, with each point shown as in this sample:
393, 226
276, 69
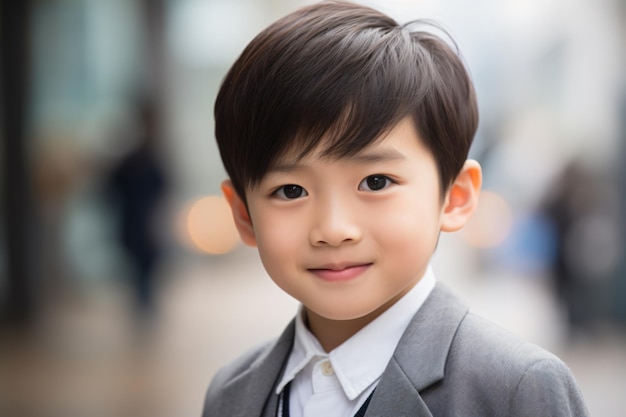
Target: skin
349, 237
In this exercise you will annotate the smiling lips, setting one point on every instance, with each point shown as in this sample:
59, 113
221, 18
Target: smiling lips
340, 273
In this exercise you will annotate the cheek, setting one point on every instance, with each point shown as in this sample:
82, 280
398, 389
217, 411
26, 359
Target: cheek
274, 251
411, 231
274, 248
278, 239
273, 230
275, 238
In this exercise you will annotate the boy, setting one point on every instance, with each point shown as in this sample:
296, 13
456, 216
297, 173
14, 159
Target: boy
345, 137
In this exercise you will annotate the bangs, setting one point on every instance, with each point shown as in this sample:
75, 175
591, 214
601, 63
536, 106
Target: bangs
350, 112
342, 101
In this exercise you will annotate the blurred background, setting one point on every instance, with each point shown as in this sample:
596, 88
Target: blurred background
123, 286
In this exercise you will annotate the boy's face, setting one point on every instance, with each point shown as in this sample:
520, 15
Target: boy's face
348, 237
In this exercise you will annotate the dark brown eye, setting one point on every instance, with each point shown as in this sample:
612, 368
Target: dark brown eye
375, 183
290, 192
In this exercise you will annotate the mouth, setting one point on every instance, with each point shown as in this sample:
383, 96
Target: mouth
335, 273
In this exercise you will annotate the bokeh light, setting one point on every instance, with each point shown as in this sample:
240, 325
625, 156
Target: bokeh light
209, 225
491, 223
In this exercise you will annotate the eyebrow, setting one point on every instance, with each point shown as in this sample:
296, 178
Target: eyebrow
380, 155
377, 155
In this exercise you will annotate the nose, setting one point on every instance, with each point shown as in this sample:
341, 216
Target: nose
334, 224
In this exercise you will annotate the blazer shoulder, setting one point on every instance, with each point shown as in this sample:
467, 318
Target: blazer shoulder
510, 375
232, 371
484, 339
246, 383
239, 365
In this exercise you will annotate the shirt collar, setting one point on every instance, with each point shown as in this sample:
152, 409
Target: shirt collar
357, 368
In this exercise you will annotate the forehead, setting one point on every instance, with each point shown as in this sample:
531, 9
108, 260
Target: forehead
329, 148
342, 145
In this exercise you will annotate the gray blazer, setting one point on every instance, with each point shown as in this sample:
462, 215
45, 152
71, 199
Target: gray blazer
449, 362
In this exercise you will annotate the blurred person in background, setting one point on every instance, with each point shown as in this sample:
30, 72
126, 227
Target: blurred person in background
137, 186
583, 207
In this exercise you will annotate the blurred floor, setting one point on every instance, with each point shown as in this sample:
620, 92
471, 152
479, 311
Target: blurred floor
87, 358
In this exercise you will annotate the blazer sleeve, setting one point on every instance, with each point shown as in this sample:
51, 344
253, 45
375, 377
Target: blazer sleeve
548, 389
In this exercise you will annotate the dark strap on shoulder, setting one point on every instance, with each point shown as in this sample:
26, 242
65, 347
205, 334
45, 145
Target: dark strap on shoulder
366, 404
284, 402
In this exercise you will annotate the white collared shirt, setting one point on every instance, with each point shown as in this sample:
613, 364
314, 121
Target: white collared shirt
336, 384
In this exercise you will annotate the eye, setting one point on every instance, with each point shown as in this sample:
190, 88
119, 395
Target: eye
290, 192
375, 183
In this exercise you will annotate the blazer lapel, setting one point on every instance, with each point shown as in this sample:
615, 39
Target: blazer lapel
253, 388
396, 396
420, 358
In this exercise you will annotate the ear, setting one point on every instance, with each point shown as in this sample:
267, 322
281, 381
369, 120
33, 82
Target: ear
462, 197
240, 213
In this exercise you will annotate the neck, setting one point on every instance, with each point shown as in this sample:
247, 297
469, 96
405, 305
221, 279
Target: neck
332, 333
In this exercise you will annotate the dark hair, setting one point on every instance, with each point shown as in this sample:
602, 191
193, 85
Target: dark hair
342, 74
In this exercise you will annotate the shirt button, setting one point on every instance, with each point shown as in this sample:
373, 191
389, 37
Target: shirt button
327, 368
